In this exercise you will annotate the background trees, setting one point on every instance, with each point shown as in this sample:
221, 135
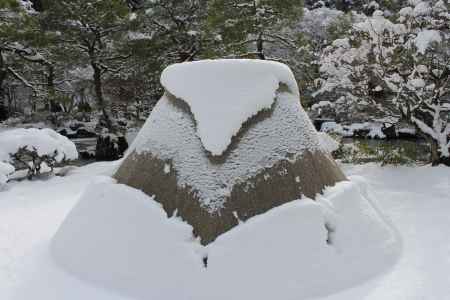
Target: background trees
396, 69
93, 34
258, 23
355, 61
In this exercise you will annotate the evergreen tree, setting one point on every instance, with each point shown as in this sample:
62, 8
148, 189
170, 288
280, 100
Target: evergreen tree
91, 33
241, 23
15, 27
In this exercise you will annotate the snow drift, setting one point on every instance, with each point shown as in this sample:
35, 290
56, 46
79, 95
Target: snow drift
122, 239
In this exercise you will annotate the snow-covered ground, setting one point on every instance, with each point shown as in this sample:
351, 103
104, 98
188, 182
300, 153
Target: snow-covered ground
416, 200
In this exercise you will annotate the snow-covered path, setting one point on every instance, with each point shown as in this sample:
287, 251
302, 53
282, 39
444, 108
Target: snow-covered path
417, 200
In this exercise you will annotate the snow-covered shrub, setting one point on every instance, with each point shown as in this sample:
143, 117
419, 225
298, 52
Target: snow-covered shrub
110, 146
33, 149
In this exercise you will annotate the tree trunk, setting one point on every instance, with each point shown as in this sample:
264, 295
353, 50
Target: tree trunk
3, 74
53, 106
435, 158
3, 107
260, 47
102, 106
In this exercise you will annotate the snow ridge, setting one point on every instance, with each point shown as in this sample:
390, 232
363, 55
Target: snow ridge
224, 94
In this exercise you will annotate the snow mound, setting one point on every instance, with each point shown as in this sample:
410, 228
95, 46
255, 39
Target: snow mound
119, 235
224, 94
45, 141
122, 239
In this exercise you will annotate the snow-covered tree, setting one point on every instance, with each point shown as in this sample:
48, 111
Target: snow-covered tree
178, 27
16, 33
420, 75
91, 33
395, 68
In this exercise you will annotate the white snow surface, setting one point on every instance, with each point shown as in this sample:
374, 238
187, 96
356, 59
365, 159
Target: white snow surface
5, 170
285, 249
45, 141
415, 199
425, 38
224, 94
120, 237
169, 134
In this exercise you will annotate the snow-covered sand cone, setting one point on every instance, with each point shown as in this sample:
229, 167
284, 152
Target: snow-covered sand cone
229, 140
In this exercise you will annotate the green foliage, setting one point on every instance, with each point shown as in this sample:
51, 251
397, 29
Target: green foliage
239, 23
9, 4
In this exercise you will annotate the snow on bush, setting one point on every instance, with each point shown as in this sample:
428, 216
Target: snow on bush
45, 141
327, 143
122, 239
425, 38
218, 109
33, 147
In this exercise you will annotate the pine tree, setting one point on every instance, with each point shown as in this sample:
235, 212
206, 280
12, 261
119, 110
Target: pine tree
241, 23
15, 27
91, 33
